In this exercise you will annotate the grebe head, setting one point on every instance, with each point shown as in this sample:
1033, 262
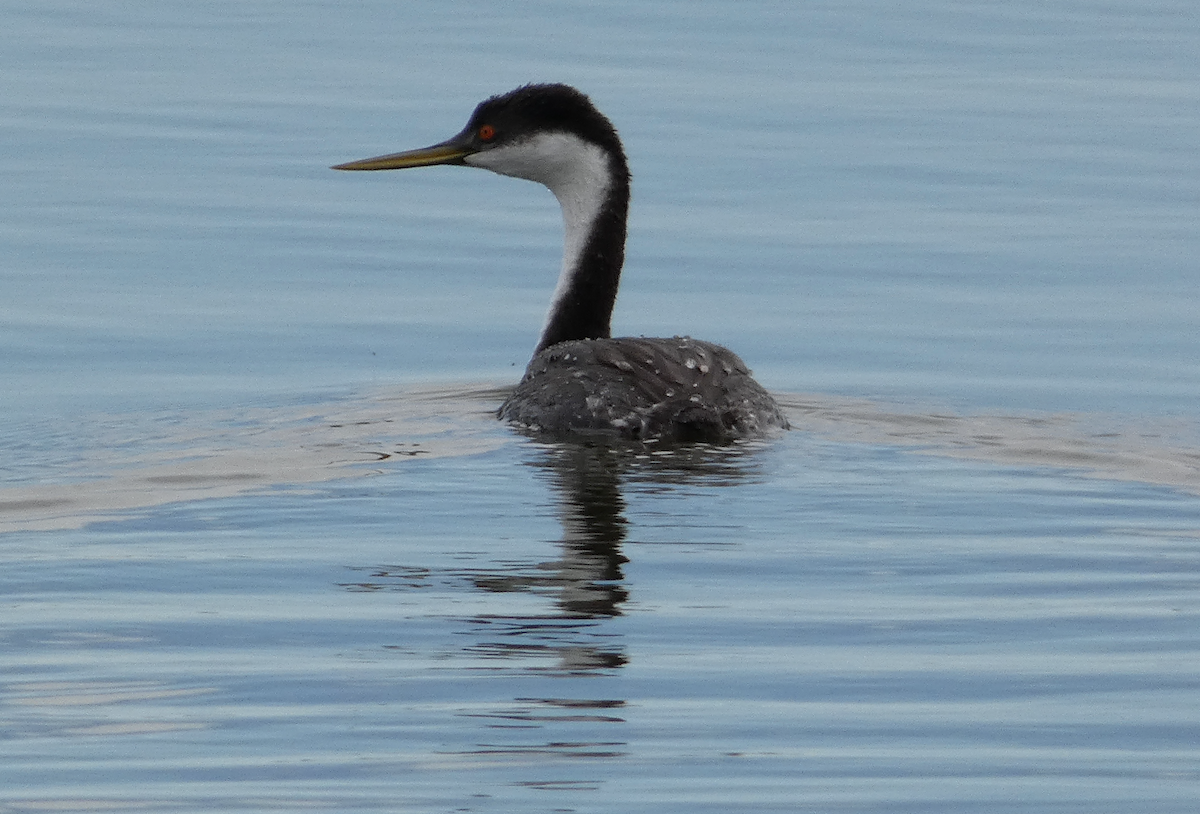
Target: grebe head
543, 133
551, 134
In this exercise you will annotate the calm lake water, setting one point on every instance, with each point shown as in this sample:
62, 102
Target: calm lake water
263, 546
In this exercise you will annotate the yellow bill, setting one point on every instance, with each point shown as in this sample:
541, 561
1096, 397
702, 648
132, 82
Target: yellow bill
445, 153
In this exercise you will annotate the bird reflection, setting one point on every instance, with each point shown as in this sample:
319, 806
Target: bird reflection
574, 632
592, 512
585, 582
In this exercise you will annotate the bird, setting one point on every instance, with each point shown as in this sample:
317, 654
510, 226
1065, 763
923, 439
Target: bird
582, 384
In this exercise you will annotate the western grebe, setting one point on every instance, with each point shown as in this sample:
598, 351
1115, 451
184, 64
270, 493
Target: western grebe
581, 383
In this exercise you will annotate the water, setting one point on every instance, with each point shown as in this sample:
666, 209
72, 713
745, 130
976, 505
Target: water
265, 549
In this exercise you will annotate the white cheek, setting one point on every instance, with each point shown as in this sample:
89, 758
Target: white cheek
566, 164
522, 160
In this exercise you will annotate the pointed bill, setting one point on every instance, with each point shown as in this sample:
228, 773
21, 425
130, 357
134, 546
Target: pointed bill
448, 152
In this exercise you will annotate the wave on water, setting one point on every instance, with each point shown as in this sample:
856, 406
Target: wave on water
123, 464
1160, 451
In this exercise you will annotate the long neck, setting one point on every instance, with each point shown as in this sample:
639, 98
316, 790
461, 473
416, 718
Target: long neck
595, 204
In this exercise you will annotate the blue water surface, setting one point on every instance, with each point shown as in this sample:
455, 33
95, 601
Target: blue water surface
958, 208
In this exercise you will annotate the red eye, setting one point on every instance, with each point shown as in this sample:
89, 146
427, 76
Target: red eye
487, 132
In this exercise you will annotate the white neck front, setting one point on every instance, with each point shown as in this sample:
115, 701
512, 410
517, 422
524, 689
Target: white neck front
579, 175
